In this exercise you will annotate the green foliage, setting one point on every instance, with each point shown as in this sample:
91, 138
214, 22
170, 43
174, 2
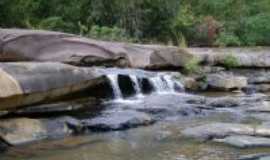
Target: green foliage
227, 39
183, 22
230, 62
257, 30
106, 33
192, 66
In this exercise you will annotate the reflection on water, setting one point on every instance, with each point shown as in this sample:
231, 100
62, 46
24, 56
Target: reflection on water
161, 141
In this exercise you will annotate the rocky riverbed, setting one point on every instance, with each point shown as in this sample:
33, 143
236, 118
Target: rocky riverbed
68, 97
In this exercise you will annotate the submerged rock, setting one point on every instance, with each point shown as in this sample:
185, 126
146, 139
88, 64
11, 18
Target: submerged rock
25, 130
117, 120
245, 141
218, 130
262, 156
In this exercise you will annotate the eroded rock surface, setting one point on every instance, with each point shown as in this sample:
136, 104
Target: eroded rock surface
28, 83
34, 45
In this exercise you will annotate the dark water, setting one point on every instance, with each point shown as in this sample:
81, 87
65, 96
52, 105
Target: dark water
160, 141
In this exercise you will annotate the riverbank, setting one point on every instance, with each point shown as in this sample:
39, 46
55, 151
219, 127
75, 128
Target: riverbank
56, 86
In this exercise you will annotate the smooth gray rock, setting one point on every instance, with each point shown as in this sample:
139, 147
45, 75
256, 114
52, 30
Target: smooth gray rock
117, 120
262, 156
29, 83
37, 45
246, 57
225, 81
245, 141
24, 130
218, 130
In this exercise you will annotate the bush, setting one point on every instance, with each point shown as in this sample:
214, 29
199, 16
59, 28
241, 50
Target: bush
110, 34
227, 39
257, 30
192, 66
230, 62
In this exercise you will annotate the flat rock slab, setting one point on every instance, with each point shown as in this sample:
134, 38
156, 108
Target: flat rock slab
226, 81
117, 120
218, 130
245, 57
221, 130
262, 156
245, 141
36, 45
28, 83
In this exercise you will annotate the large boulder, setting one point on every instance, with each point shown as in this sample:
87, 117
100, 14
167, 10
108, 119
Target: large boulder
245, 57
25, 130
28, 83
36, 45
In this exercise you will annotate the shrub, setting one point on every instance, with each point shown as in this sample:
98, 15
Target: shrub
192, 66
257, 30
230, 62
107, 33
227, 39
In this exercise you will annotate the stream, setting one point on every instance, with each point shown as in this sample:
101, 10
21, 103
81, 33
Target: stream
149, 127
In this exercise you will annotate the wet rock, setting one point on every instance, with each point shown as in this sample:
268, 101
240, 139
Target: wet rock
146, 85
36, 45
24, 130
65, 107
126, 85
117, 120
225, 81
255, 76
262, 156
19, 131
218, 130
246, 102
259, 107
191, 84
224, 102
29, 83
245, 141
161, 106
260, 116
261, 87
222, 130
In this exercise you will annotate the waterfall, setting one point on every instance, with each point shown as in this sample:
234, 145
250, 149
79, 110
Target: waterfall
160, 83
136, 85
115, 86
170, 83
165, 84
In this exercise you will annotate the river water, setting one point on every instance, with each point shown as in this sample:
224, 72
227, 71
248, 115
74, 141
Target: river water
171, 112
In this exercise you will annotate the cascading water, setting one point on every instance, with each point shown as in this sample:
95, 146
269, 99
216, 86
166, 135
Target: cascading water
160, 83
115, 86
165, 84
136, 85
